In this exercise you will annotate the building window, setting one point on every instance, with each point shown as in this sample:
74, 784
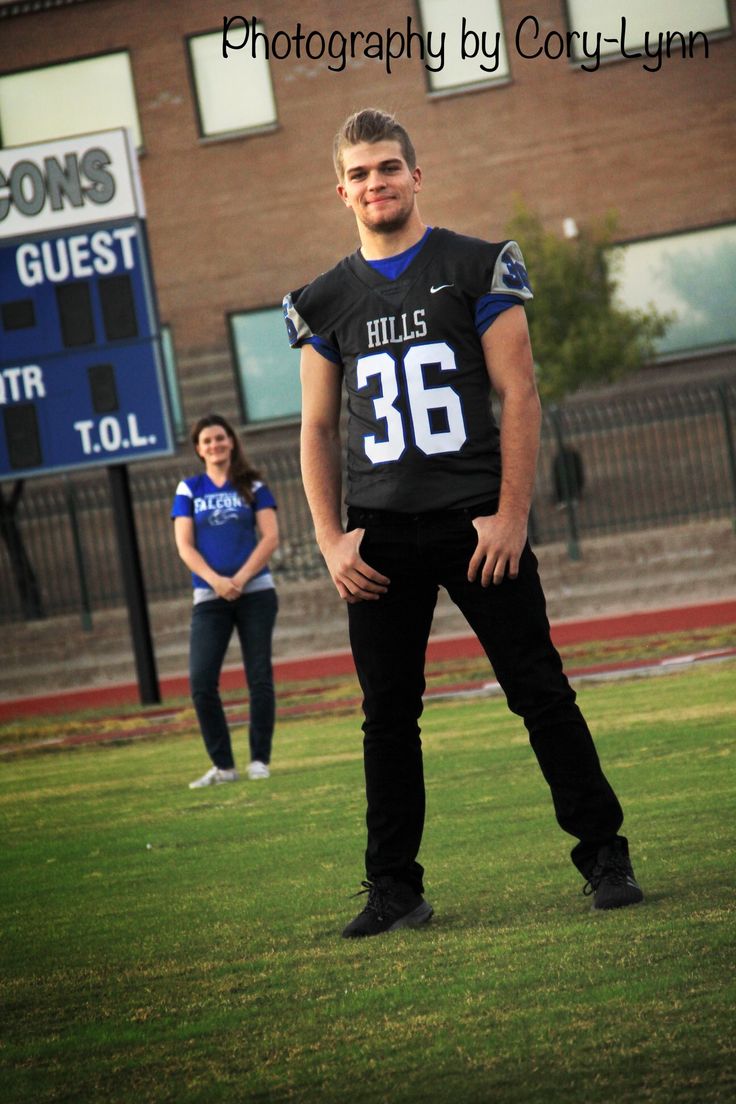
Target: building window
172, 384
474, 47
691, 276
234, 95
68, 98
267, 369
644, 17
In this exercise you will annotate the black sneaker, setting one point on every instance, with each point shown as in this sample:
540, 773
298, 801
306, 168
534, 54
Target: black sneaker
612, 881
390, 905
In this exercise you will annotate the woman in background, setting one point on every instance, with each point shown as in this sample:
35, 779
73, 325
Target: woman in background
225, 527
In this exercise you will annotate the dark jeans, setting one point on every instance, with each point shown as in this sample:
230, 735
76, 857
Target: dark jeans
389, 638
253, 615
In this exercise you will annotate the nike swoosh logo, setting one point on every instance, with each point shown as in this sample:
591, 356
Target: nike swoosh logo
433, 290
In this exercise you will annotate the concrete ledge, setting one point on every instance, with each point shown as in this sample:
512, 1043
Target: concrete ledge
648, 570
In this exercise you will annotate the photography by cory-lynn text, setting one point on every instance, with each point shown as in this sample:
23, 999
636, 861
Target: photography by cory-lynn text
337, 48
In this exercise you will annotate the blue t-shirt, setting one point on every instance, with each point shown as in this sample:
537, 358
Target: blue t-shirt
224, 528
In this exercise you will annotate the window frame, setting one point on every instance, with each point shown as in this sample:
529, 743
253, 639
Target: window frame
616, 56
85, 128
483, 84
173, 383
695, 351
237, 132
247, 420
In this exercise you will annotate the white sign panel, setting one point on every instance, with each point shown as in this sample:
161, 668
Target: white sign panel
70, 182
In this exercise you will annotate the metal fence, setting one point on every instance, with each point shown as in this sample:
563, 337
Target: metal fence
657, 458
607, 465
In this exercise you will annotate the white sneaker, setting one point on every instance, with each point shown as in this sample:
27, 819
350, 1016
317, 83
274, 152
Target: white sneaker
214, 776
257, 769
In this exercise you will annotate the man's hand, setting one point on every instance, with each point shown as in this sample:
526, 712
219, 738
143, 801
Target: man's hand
355, 580
501, 541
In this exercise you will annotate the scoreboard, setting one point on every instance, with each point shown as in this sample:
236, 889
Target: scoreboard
81, 370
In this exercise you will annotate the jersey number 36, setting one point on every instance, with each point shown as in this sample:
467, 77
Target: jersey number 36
422, 400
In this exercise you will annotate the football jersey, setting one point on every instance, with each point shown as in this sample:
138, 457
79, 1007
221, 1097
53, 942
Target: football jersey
224, 528
421, 432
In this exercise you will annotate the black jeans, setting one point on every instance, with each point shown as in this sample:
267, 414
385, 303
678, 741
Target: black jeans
213, 621
420, 553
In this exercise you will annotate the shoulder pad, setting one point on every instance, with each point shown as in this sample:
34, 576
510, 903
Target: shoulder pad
509, 274
296, 328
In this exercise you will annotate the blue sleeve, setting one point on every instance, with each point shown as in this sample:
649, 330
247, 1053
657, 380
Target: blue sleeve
488, 308
263, 499
325, 349
183, 505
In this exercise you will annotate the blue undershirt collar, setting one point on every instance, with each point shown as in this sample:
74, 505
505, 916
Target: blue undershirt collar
392, 267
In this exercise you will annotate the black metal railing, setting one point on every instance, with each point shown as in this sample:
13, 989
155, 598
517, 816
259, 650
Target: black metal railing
607, 465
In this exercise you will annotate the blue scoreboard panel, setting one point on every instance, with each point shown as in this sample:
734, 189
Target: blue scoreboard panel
81, 379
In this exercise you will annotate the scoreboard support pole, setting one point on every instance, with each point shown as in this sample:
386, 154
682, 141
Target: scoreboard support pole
135, 594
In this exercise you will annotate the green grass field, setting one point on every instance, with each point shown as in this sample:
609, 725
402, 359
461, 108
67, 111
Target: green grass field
208, 965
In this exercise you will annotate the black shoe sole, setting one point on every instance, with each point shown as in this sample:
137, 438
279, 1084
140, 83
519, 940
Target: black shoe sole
611, 907
421, 914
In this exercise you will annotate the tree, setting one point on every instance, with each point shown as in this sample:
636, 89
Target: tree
580, 334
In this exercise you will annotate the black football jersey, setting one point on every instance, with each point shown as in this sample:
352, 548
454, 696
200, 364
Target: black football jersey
421, 432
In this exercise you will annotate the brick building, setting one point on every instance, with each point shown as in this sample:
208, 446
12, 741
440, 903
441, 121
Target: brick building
235, 152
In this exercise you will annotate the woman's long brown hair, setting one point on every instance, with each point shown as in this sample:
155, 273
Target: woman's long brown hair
241, 474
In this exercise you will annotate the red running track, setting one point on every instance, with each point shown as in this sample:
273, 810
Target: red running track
614, 627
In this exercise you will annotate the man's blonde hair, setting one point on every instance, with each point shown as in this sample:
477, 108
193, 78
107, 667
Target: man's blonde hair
371, 125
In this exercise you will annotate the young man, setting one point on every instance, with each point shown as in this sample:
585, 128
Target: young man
420, 324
